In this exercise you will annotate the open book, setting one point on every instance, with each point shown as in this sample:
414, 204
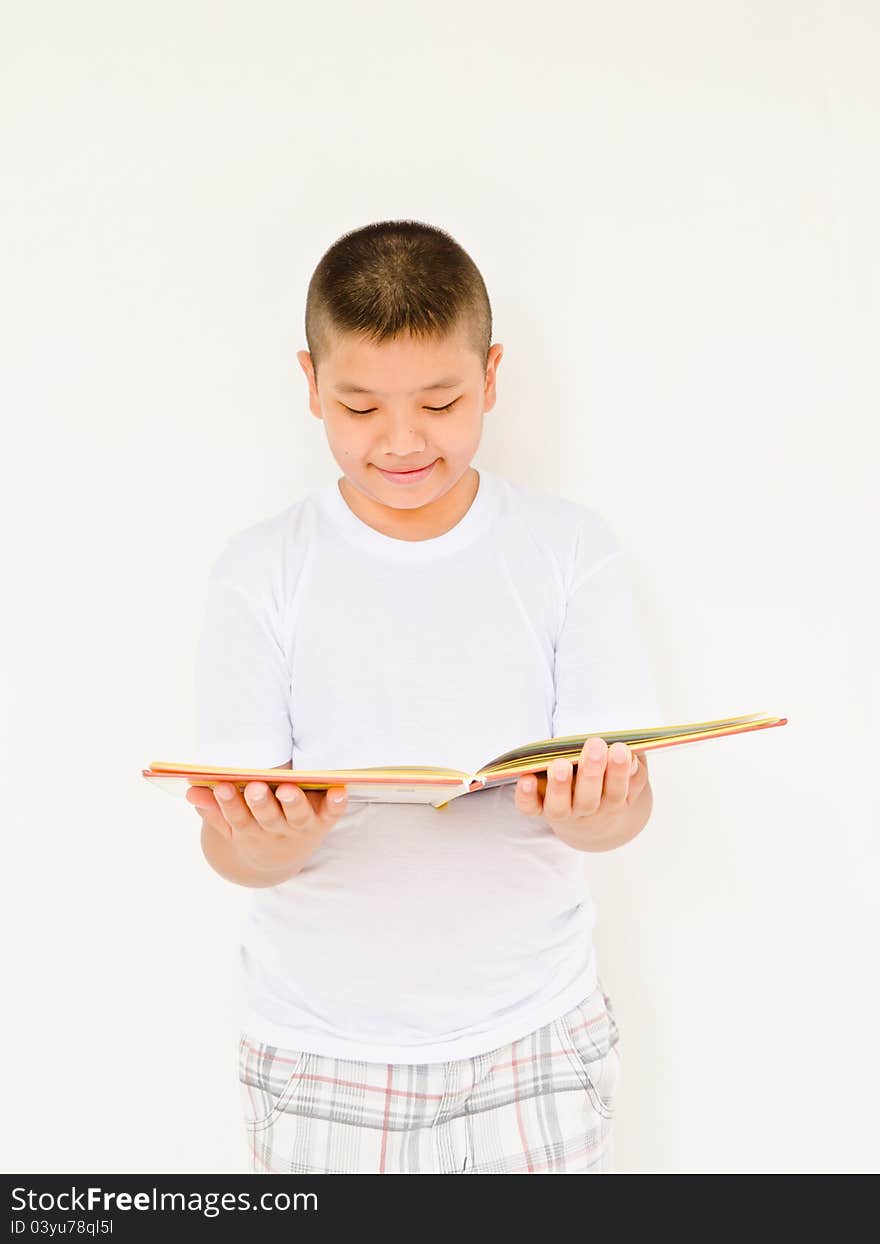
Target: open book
438, 787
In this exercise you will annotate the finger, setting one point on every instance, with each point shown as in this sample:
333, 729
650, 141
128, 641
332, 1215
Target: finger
557, 801
233, 808
527, 796
617, 775
299, 806
591, 771
638, 780
200, 798
204, 800
213, 818
266, 810
332, 806
205, 804
307, 811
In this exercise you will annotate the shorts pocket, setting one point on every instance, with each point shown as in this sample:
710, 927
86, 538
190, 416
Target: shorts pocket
590, 1036
269, 1079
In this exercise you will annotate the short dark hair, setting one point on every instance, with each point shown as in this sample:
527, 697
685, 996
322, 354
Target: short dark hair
396, 277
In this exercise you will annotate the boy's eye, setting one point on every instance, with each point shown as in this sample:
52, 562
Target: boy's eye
435, 409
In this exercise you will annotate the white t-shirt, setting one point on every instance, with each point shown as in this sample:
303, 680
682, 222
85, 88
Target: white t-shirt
416, 935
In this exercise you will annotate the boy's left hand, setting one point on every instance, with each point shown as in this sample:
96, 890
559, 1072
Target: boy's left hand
593, 805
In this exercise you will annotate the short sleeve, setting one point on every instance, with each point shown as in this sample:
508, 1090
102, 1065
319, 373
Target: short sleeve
242, 685
602, 675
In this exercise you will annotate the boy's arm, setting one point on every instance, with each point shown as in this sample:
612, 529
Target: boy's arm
221, 854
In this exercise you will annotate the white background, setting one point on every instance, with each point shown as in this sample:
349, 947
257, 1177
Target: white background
674, 208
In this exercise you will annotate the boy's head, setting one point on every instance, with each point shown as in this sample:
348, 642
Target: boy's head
399, 326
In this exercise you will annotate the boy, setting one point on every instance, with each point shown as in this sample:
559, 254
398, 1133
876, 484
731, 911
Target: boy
420, 991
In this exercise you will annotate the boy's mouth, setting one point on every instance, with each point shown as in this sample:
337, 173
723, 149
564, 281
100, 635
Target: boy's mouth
408, 477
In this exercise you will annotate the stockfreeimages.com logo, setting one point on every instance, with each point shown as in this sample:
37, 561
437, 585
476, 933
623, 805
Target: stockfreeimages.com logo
210, 1204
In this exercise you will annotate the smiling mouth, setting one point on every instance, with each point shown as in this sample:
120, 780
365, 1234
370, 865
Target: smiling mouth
408, 470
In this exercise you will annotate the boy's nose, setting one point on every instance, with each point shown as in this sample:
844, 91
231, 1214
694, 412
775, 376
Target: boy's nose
404, 444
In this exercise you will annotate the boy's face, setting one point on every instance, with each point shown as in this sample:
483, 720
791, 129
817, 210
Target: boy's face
404, 384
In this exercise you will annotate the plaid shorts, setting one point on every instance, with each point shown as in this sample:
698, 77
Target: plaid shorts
543, 1104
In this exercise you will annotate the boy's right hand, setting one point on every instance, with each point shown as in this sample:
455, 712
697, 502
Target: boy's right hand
271, 835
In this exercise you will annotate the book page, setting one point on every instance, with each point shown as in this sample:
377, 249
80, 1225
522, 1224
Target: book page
572, 744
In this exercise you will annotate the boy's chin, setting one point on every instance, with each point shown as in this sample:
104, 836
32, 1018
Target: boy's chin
388, 492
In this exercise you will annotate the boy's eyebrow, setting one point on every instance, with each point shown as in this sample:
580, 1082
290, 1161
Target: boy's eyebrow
447, 382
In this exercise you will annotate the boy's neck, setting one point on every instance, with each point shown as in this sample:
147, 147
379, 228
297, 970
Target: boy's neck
424, 523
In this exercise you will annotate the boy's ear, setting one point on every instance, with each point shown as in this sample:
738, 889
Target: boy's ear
305, 361
495, 354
